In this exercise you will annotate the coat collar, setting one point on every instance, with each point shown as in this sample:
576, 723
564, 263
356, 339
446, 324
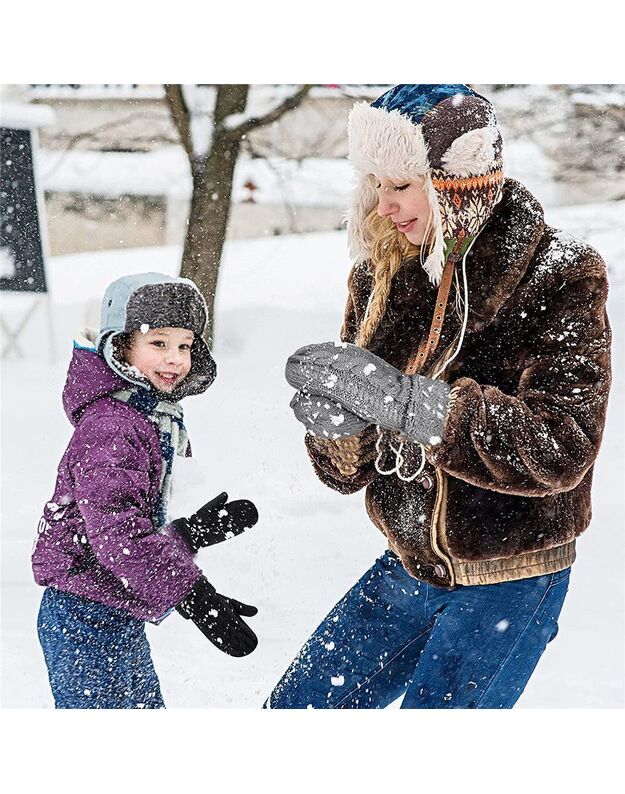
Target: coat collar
502, 252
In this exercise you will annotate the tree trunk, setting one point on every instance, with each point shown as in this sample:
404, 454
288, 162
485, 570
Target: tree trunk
210, 204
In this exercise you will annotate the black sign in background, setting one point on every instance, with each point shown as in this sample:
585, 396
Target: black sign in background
20, 231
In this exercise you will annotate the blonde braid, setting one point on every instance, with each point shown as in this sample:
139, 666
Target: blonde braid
389, 248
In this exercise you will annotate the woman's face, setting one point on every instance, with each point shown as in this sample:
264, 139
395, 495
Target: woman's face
406, 204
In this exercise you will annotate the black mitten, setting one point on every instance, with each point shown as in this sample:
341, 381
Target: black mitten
219, 618
217, 520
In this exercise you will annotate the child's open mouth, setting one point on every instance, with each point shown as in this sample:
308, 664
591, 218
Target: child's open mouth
168, 378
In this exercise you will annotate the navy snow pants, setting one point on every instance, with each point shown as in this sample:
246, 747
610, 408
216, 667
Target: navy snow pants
97, 657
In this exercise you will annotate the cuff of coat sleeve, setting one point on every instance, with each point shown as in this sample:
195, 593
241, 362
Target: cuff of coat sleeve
464, 398
181, 526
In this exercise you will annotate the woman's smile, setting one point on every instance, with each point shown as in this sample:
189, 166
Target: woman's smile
405, 226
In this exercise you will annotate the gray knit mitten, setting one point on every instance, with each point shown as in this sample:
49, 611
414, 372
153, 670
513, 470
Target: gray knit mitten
325, 418
372, 389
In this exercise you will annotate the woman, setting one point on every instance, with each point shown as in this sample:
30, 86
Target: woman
468, 395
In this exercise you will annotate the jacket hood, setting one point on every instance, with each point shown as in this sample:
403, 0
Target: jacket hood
89, 378
155, 300
446, 134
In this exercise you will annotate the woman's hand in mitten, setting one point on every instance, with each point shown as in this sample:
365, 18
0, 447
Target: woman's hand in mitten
219, 618
371, 388
216, 521
325, 417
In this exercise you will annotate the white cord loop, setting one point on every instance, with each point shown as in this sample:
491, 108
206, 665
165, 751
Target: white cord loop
399, 458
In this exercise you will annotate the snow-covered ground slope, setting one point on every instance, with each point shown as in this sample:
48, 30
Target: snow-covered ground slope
311, 543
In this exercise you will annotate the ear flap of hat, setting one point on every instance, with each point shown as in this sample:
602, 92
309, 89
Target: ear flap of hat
203, 370
473, 153
435, 261
107, 348
364, 199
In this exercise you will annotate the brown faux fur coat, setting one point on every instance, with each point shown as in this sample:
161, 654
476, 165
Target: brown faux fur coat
507, 491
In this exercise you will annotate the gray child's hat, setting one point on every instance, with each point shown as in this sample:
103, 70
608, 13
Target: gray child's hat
154, 300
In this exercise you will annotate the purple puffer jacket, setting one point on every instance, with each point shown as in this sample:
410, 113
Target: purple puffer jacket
96, 537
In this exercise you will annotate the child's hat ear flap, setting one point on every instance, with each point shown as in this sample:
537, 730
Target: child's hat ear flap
203, 366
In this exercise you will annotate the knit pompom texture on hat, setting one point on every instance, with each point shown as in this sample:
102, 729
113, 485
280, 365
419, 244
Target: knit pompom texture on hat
446, 135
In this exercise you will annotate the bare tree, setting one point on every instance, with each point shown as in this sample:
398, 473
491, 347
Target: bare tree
212, 122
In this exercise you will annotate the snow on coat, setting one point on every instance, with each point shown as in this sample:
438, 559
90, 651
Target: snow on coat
508, 489
96, 538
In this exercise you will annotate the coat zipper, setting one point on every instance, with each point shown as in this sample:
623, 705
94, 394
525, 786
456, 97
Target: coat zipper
437, 528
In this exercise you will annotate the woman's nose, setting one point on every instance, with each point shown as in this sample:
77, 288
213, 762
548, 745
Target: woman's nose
386, 206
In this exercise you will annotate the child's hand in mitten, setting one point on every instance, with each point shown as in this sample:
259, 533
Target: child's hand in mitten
219, 618
216, 521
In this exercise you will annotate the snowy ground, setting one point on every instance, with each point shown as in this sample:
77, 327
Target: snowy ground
311, 544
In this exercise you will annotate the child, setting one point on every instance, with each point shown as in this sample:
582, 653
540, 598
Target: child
468, 396
104, 550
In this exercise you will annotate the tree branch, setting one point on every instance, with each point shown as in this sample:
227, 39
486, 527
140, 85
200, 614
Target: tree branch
261, 121
180, 116
94, 134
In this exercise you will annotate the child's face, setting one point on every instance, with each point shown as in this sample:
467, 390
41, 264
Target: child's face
406, 204
163, 355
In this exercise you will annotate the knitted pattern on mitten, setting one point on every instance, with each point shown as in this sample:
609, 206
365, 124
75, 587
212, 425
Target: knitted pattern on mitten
372, 389
325, 418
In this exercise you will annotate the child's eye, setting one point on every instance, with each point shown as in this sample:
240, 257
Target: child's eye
158, 343
185, 346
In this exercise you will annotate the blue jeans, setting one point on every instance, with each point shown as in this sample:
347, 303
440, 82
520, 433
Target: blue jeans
391, 635
97, 657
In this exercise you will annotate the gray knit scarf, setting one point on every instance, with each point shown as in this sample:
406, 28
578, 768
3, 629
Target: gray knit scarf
168, 417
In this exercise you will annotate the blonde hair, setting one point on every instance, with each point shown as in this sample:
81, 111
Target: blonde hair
389, 248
